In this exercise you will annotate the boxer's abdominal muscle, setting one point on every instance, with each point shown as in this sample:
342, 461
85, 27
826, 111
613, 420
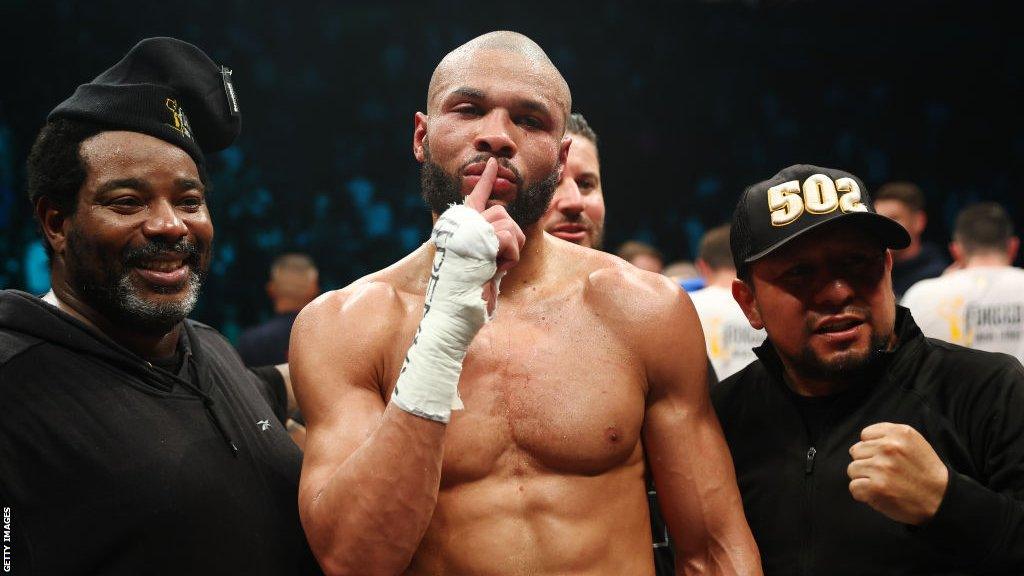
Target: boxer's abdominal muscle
543, 470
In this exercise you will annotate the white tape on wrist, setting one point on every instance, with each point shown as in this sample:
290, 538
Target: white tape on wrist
453, 312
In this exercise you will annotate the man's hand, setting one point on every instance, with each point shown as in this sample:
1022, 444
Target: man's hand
510, 237
896, 472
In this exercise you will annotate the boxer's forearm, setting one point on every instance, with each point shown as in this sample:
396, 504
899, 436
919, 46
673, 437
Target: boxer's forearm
372, 513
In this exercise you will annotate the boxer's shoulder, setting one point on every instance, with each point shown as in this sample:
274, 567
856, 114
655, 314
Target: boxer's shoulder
386, 294
363, 306
616, 283
359, 323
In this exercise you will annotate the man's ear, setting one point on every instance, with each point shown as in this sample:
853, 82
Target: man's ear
54, 224
920, 222
563, 153
956, 251
1012, 246
419, 137
744, 296
702, 268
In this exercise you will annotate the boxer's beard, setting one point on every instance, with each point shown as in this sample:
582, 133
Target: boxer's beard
441, 190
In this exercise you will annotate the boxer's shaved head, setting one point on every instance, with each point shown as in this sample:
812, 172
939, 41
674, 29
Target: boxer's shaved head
539, 68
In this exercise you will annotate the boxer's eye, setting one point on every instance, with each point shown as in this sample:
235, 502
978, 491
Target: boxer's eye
467, 110
530, 122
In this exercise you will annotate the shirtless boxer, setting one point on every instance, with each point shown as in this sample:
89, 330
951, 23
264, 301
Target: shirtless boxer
588, 368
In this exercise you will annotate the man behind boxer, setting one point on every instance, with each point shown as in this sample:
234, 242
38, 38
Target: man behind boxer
577, 211
542, 472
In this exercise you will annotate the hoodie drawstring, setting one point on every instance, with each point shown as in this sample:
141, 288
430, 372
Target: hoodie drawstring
212, 413
208, 404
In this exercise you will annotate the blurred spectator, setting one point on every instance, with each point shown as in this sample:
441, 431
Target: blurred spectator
904, 203
684, 273
576, 212
642, 255
729, 337
981, 305
294, 282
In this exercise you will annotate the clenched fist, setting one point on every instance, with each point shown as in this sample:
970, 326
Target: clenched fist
896, 472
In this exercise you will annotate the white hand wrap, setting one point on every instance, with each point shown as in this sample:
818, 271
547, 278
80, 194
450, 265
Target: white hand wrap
453, 312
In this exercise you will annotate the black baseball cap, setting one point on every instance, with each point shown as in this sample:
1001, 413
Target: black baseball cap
799, 199
166, 88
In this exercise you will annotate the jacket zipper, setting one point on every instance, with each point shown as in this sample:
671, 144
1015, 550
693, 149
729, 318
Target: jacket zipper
805, 559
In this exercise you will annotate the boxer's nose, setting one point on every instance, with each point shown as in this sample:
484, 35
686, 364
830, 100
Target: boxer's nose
494, 136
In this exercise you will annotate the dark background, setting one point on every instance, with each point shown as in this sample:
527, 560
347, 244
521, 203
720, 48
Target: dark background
692, 101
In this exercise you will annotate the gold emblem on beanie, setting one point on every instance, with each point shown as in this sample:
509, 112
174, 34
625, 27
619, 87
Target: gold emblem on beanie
179, 118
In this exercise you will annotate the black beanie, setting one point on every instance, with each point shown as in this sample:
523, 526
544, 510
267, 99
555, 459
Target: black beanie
166, 88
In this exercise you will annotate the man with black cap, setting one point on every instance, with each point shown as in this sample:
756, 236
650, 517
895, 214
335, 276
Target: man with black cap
860, 446
134, 441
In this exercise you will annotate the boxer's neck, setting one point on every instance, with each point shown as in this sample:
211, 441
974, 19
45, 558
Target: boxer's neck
533, 259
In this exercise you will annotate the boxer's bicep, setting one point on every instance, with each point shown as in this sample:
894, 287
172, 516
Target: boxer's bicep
370, 476
686, 450
335, 379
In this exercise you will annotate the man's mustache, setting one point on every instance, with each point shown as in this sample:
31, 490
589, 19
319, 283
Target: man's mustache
184, 247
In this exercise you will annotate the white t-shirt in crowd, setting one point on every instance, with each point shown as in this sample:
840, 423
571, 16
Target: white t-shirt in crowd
730, 339
981, 307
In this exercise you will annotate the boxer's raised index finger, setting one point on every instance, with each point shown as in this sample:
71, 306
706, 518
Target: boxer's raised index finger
477, 199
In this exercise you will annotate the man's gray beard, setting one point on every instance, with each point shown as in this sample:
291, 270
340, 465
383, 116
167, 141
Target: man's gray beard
151, 314
109, 290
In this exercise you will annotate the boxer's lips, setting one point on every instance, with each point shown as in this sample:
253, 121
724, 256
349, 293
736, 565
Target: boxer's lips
477, 169
502, 186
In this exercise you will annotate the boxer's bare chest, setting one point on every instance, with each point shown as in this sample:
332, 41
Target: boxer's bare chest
547, 387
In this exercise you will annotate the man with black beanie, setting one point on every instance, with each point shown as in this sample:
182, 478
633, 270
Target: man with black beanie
133, 440
860, 446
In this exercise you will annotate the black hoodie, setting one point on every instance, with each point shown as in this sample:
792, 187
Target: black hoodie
109, 465
968, 405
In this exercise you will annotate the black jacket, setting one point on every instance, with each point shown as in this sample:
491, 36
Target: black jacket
968, 404
109, 465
